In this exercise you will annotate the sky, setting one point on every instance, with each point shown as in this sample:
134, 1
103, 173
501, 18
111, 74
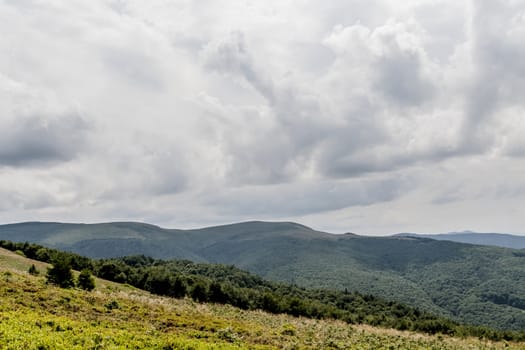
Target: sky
373, 117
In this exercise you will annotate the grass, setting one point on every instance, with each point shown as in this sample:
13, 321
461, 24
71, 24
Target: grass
34, 315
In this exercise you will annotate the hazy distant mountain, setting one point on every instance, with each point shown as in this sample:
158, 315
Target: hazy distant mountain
476, 284
491, 239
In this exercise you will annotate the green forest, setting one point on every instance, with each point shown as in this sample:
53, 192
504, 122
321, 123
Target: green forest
225, 284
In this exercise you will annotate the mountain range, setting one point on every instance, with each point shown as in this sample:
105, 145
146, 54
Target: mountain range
476, 284
491, 239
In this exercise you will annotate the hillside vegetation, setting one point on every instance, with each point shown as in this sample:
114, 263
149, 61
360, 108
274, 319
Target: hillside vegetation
468, 283
36, 315
229, 285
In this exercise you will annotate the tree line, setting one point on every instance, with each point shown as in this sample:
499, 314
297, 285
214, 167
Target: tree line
226, 284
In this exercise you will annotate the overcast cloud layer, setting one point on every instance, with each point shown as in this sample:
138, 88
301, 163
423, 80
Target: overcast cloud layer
373, 117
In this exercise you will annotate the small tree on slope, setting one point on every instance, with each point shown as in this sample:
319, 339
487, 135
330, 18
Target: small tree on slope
86, 281
61, 274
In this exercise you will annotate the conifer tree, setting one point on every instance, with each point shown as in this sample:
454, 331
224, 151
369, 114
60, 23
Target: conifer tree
61, 274
86, 280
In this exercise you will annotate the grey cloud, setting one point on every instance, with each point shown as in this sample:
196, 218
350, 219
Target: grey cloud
10, 199
517, 151
134, 66
317, 106
445, 25
345, 154
167, 175
142, 173
354, 166
269, 155
340, 160
393, 83
25, 193
119, 6
360, 163
369, 12
231, 56
451, 194
389, 59
306, 198
401, 80
498, 29
399, 69
37, 140
302, 134
400, 64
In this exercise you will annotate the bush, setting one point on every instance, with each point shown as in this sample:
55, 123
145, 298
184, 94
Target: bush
112, 305
19, 252
61, 274
33, 270
86, 281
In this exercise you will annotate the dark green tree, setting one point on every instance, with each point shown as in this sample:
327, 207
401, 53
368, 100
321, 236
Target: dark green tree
178, 287
110, 270
158, 283
42, 254
199, 292
61, 274
216, 294
86, 281
270, 303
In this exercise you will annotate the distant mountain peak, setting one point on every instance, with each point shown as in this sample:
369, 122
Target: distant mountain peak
351, 234
504, 240
260, 225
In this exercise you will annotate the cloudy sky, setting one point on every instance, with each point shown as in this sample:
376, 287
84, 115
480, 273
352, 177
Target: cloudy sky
372, 117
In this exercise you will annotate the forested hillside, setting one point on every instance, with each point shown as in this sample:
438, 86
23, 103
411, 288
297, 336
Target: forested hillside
474, 284
38, 315
229, 285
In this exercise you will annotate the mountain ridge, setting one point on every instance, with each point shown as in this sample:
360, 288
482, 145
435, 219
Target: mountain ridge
504, 240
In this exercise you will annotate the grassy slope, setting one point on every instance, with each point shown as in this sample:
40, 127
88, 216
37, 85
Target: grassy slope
34, 315
447, 278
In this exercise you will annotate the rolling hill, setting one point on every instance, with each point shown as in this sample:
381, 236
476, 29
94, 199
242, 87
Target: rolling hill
36, 315
475, 284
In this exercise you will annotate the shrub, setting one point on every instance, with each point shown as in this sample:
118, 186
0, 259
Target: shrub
112, 305
86, 281
33, 270
61, 274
